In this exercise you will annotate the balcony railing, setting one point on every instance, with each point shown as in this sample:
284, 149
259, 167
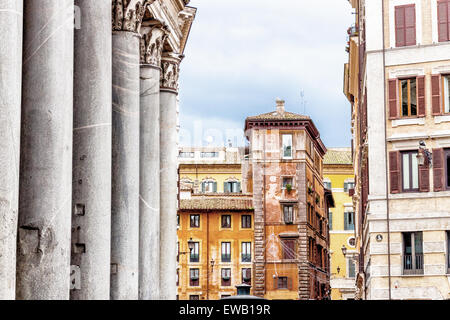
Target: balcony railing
226, 257
194, 258
413, 264
246, 257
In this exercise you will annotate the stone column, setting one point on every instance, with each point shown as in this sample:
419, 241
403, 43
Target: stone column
125, 150
151, 48
43, 253
91, 197
168, 155
11, 20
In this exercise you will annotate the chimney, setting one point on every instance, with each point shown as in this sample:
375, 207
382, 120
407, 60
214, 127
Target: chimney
280, 106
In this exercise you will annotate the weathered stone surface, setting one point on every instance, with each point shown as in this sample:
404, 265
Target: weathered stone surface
43, 261
168, 221
91, 200
125, 167
11, 19
149, 209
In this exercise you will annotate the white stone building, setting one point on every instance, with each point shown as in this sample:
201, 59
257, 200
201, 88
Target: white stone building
397, 80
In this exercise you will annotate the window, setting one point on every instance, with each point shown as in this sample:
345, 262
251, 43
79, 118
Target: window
410, 171
330, 220
408, 97
246, 221
327, 185
282, 283
226, 277
226, 221
287, 181
226, 252
194, 253
178, 277
351, 268
194, 277
209, 186
194, 297
246, 252
446, 93
195, 220
209, 155
444, 20
405, 25
178, 220
288, 214
288, 247
412, 253
349, 221
348, 186
232, 187
287, 146
247, 276
186, 155
351, 242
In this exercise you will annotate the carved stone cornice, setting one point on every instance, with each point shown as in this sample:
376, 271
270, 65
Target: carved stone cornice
152, 43
170, 71
127, 15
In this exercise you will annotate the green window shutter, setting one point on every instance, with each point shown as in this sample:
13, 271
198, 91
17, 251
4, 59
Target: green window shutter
225, 187
330, 220
239, 187
203, 187
346, 220
215, 187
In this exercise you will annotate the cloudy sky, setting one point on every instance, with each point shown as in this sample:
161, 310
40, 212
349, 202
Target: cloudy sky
243, 54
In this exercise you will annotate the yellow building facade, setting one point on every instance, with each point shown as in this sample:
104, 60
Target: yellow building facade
339, 178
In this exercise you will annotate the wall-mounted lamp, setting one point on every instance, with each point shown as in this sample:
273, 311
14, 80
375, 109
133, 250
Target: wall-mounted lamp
344, 250
338, 269
212, 263
191, 244
424, 153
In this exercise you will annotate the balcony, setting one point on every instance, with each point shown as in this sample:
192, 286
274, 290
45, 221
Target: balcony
246, 257
226, 257
413, 264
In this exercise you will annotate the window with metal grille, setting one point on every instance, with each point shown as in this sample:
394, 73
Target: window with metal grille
226, 277
289, 249
246, 254
412, 253
282, 283
247, 276
194, 277
226, 251
194, 255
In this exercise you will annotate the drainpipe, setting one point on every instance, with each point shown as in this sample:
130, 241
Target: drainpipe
386, 154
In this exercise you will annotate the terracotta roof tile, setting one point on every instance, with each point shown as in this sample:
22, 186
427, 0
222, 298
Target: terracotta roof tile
338, 156
217, 203
277, 116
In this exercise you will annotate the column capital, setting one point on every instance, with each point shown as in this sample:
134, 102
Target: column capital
152, 43
127, 15
170, 71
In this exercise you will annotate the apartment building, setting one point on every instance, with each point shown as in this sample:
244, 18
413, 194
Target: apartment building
397, 81
283, 172
338, 176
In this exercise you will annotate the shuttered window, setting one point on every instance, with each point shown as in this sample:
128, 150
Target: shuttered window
246, 221
349, 221
439, 169
405, 25
194, 277
246, 252
226, 252
330, 220
288, 247
247, 276
410, 171
444, 20
226, 277
226, 221
446, 93
407, 97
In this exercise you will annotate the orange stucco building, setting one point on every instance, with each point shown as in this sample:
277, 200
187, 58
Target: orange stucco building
215, 245
283, 172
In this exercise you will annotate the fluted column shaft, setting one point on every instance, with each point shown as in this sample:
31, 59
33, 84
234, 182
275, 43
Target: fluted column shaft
149, 206
91, 216
11, 20
168, 156
43, 255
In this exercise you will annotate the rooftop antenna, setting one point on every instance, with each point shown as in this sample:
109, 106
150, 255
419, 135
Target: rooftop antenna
303, 101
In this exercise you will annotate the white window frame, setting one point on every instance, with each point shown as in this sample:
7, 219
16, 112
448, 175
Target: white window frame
287, 177
291, 145
395, 3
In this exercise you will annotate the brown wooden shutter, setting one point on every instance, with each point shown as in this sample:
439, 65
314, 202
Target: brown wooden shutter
421, 96
394, 171
275, 283
424, 176
438, 169
443, 20
400, 26
436, 94
393, 96
289, 283
410, 25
